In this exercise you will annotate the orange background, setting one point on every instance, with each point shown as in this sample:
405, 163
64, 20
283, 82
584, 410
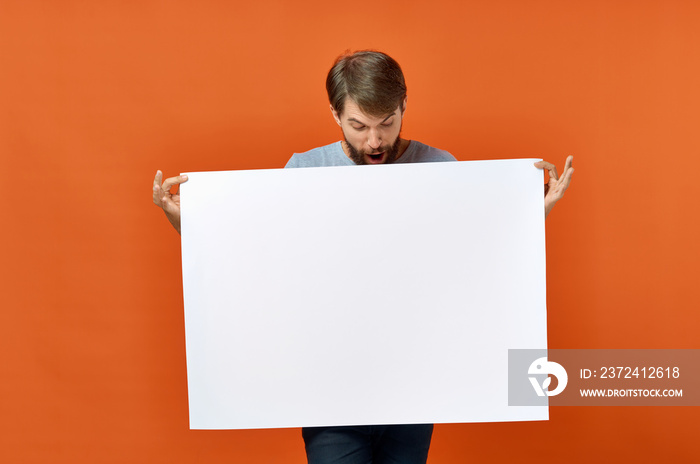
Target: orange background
95, 96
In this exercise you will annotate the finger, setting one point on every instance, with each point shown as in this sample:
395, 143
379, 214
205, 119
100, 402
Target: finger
552, 169
569, 162
164, 201
568, 170
562, 185
157, 195
566, 179
156, 187
167, 185
168, 204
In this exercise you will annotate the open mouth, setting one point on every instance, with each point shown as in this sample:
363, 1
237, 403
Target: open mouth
376, 158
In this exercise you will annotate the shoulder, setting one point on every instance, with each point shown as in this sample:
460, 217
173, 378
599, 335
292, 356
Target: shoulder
418, 152
328, 155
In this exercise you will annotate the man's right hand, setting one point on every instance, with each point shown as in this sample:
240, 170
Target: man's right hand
169, 202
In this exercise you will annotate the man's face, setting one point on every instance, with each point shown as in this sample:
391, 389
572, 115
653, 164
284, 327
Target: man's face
370, 139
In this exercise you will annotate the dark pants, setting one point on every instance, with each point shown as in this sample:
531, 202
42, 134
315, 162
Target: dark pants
368, 444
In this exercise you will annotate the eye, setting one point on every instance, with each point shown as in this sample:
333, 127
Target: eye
388, 124
358, 128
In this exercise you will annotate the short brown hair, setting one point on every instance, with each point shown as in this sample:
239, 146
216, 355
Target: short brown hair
373, 80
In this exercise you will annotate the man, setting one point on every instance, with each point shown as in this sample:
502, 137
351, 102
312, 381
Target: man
367, 94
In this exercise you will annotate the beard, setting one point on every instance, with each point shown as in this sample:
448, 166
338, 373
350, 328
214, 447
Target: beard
391, 152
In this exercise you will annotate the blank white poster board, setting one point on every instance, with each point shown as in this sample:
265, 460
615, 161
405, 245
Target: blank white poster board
361, 295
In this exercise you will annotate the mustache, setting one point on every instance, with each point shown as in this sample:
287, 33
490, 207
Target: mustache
381, 149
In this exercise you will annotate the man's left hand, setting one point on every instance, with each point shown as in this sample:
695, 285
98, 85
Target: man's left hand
555, 188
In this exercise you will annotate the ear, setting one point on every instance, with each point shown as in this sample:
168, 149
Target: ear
403, 105
335, 114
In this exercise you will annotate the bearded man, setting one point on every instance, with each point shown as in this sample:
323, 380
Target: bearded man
367, 94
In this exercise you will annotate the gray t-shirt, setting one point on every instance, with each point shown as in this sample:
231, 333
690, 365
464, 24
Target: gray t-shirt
333, 155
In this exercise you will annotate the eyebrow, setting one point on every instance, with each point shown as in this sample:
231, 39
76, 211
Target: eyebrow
360, 122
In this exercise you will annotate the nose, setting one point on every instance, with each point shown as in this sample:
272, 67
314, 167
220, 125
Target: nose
374, 140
